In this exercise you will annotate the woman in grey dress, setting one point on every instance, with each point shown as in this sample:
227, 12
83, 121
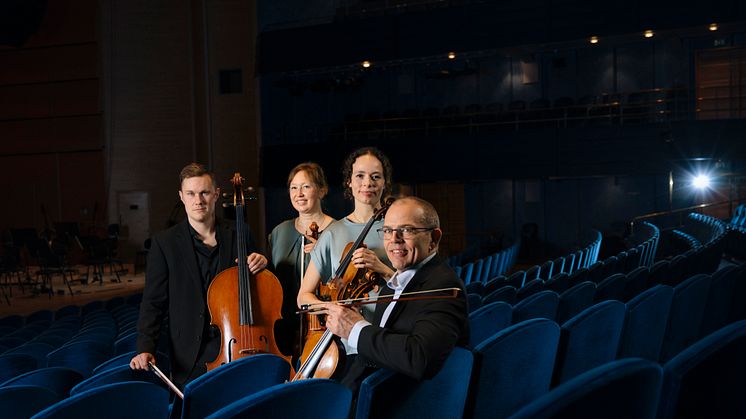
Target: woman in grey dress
291, 242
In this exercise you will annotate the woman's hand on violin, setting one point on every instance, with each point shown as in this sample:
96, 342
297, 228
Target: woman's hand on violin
340, 319
364, 258
256, 262
140, 361
310, 243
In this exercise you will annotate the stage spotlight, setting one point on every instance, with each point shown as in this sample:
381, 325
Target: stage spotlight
701, 181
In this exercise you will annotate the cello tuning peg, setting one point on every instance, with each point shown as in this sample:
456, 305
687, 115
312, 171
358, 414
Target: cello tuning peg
226, 195
227, 204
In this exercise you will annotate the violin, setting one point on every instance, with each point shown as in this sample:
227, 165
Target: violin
244, 306
324, 358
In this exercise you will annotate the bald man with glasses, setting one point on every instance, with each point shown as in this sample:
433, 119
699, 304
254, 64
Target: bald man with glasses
410, 337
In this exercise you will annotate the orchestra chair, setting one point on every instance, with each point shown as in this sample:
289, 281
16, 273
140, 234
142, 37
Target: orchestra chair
309, 399
707, 379
623, 389
112, 401
23, 401
512, 368
57, 379
231, 382
645, 324
386, 394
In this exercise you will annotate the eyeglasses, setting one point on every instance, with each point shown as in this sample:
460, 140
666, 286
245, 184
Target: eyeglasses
405, 232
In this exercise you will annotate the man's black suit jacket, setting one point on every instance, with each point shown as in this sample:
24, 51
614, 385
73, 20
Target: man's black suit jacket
173, 287
418, 335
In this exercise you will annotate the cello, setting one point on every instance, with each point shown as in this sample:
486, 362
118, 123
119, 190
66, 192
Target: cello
322, 358
242, 305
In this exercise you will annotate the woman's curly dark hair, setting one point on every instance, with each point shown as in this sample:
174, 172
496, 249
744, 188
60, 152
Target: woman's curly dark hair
347, 169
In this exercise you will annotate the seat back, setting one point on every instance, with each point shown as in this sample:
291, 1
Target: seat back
208, 393
574, 300
488, 320
706, 380
118, 374
82, 356
23, 401
57, 379
645, 324
627, 388
385, 394
474, 301
506, 293
512, 368
15, 364
611, 288
685, 318
637, 281
540, 305
718, 302
589, 339
116, 401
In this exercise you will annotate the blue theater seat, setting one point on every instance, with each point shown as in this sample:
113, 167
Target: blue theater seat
645, 324
623, 389
574, 300
120, 374
637, 282
385, 394
228, 383
707, 379
540, 305
15, 364
512, 368
23, 401
719, 298
506, 293
314, 398
57, 379
112, 401
488, 320
685, 318
611, 288
589, 339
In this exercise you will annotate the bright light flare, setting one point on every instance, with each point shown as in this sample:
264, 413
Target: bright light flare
701, 181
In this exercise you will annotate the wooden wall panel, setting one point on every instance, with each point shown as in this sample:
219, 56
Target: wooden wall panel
50, 135
69, 62
78, 97
67, 22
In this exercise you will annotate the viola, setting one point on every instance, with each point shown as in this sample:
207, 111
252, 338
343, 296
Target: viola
324, 359
242, 305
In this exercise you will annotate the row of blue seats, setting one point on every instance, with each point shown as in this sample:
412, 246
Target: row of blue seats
483, 270
738, 221
710, 301
521, 371
489, 266
77, 341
